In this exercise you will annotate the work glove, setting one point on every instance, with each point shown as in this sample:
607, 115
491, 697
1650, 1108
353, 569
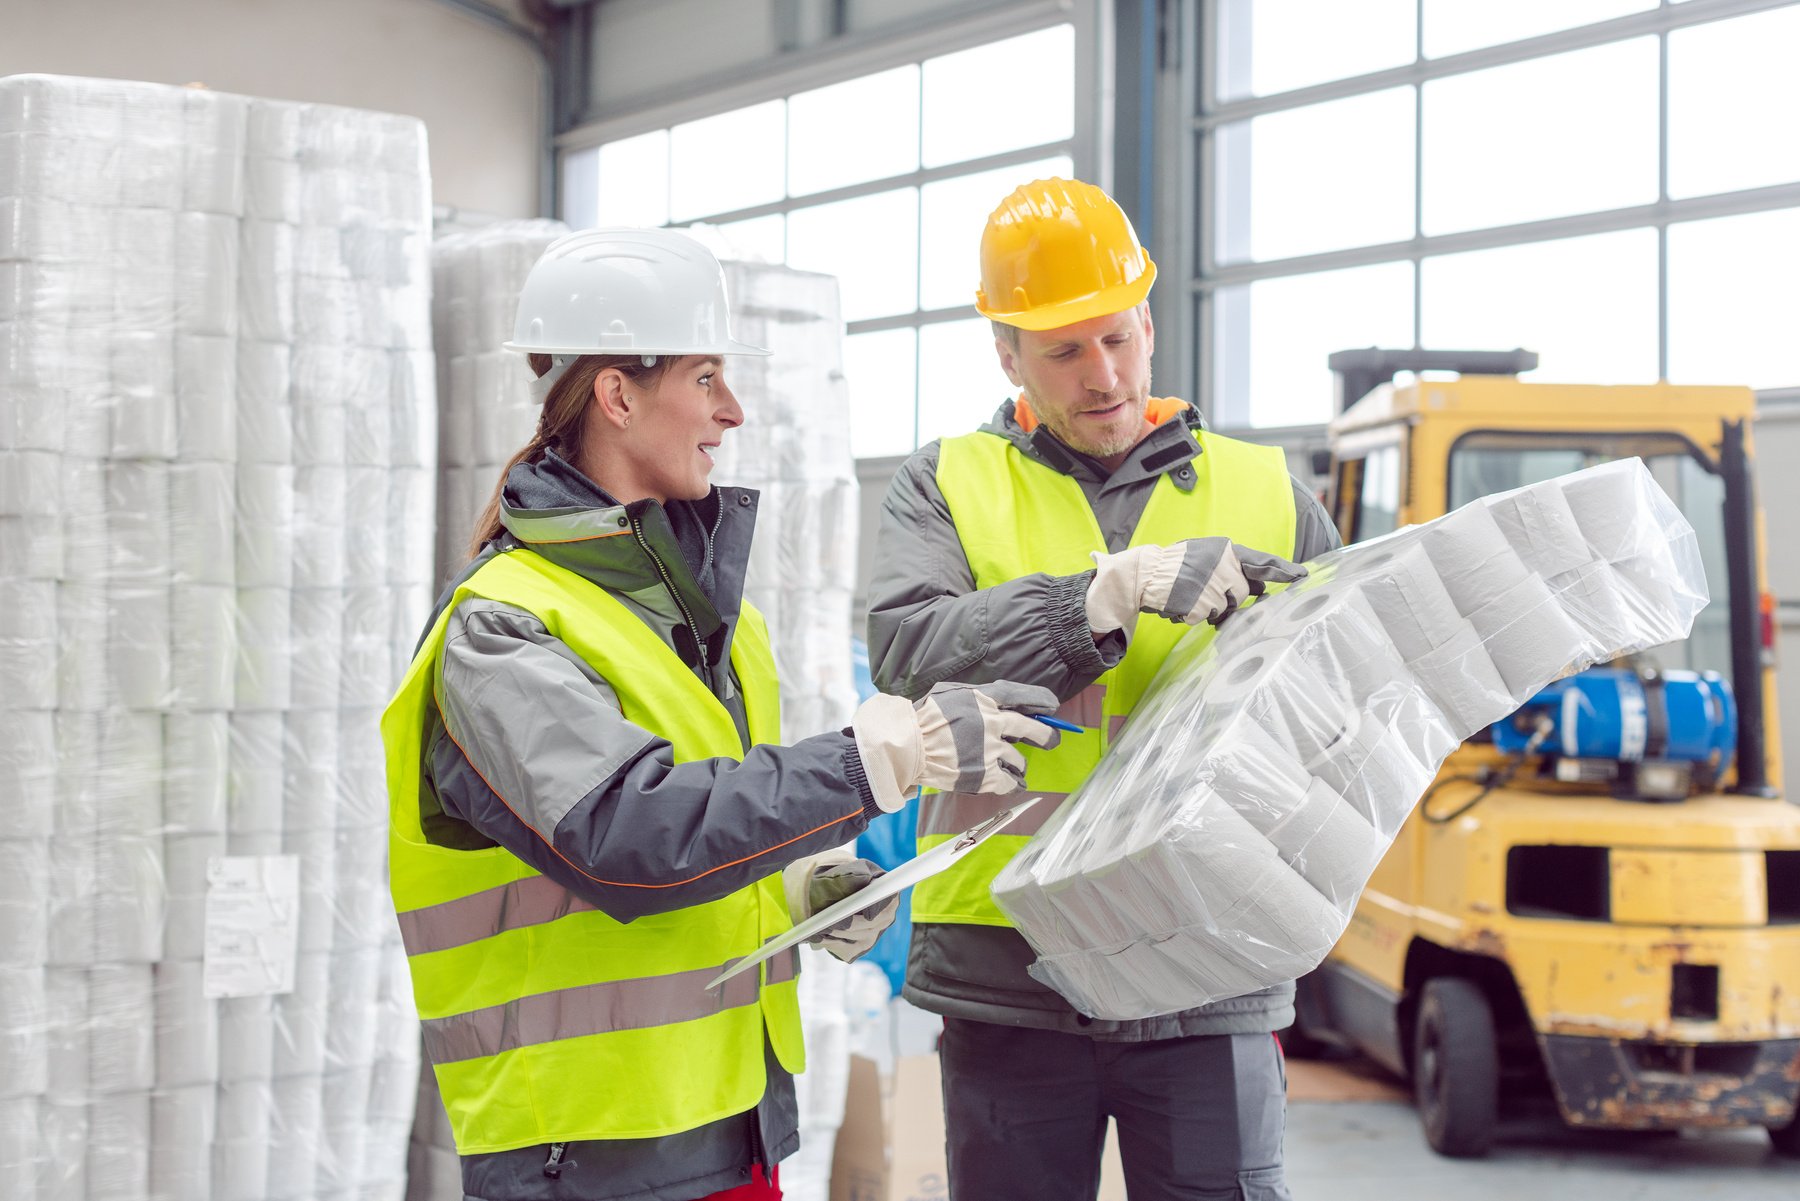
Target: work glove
957, 738
821, 881
1195, 580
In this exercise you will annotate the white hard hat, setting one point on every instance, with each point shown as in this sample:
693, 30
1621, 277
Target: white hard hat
625, 291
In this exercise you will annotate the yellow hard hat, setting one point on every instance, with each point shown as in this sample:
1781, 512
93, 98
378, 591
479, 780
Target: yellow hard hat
1058, 251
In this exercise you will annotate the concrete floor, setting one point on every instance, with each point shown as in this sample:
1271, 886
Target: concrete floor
1352, 1136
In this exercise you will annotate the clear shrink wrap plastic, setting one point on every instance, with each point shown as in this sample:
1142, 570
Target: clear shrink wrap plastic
486, 410
214, 356
1222, 842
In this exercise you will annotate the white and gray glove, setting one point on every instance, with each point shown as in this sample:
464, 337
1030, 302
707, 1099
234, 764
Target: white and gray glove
958, 738
821, 881
1195, 580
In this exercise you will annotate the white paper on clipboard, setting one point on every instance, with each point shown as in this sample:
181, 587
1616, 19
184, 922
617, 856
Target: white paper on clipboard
893, 883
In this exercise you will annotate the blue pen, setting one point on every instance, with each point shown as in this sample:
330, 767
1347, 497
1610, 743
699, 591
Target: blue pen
1059, 724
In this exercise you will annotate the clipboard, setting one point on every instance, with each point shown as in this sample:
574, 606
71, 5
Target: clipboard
937, 859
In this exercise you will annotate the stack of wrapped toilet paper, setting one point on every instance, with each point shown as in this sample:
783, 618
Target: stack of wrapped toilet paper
216, 459
1222, 842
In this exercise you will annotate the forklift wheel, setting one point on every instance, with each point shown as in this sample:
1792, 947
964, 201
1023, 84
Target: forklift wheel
1787, 1138
1456, 1068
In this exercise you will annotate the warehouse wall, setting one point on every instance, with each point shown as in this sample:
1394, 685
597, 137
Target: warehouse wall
476, 87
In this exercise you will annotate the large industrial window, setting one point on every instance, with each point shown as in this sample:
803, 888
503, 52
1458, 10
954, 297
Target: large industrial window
883, 180
1612, 183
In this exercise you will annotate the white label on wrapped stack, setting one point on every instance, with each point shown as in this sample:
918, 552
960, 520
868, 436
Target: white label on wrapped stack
252, 926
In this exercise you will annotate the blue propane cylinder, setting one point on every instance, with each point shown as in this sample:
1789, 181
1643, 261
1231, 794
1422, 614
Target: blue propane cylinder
1616, 714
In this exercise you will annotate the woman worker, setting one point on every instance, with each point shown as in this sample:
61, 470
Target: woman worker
590, 816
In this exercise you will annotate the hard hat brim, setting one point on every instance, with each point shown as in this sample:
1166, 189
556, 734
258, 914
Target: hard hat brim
1079, 308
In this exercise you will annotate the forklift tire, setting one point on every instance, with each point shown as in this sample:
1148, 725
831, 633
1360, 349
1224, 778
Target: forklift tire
1456, 1068
1786, 1139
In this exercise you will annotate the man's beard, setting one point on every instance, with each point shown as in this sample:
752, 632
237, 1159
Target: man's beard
1115, 444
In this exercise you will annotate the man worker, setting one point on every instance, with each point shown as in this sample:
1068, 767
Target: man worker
1069, 543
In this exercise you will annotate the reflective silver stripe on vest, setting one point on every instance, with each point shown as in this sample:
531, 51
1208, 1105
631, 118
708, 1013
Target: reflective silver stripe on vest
596, 1009
528, 902
954, 812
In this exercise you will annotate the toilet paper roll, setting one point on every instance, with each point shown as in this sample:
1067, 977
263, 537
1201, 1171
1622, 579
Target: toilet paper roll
28, 646
27, 1036
32, 547
187, 1027
1596, 601
1376, 772
24, 902
212, 167
206, 398
456, 421
203, 643
309, 770
1336, 631
295, 1125
1472, 557
301, 1018
361, 782
264, 531
121, 1043
409, 519
202, 523
1283, 925
412, 418
317, 852
28, 771
320, 526
207, 273
140, 665
367, 431
365, 552
363, 914
1661, 601
185, 857
1540, 525
1529, 637
137, 523
62, 1168
197, 751
68, 1033
321, 432
21, 1147
240, 1150
271, 188
1270, 685
246, 1040
367, 676
118, 1151
1331, 845
142, 393
1253, 773
255, 765
183, 1124
264, 649
317, 637
81, 663
1464, 683
30, 483
130, 901
1610, 508
1404, 592
345, 1106
352, 1011
265, 432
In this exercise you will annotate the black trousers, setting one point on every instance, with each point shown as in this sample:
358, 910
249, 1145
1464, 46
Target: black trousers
1199, 1119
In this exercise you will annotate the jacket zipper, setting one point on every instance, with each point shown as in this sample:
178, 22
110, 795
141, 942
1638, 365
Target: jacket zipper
675, 595
712, 539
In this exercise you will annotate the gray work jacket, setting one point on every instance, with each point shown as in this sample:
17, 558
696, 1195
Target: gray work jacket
517, 705
928, 623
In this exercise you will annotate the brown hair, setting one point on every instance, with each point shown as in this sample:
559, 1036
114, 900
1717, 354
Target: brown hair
1008, 332
563, 421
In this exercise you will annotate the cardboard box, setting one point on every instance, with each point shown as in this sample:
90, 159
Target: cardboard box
891, 1147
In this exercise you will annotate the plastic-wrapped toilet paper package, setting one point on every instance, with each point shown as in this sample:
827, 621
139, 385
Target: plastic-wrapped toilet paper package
1221, 843
214, 381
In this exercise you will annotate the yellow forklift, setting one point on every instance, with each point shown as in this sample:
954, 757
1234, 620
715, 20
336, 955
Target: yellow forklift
1599, 897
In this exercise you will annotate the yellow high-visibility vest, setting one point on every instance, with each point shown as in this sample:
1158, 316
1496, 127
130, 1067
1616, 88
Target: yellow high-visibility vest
1015, 516
545, 1020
